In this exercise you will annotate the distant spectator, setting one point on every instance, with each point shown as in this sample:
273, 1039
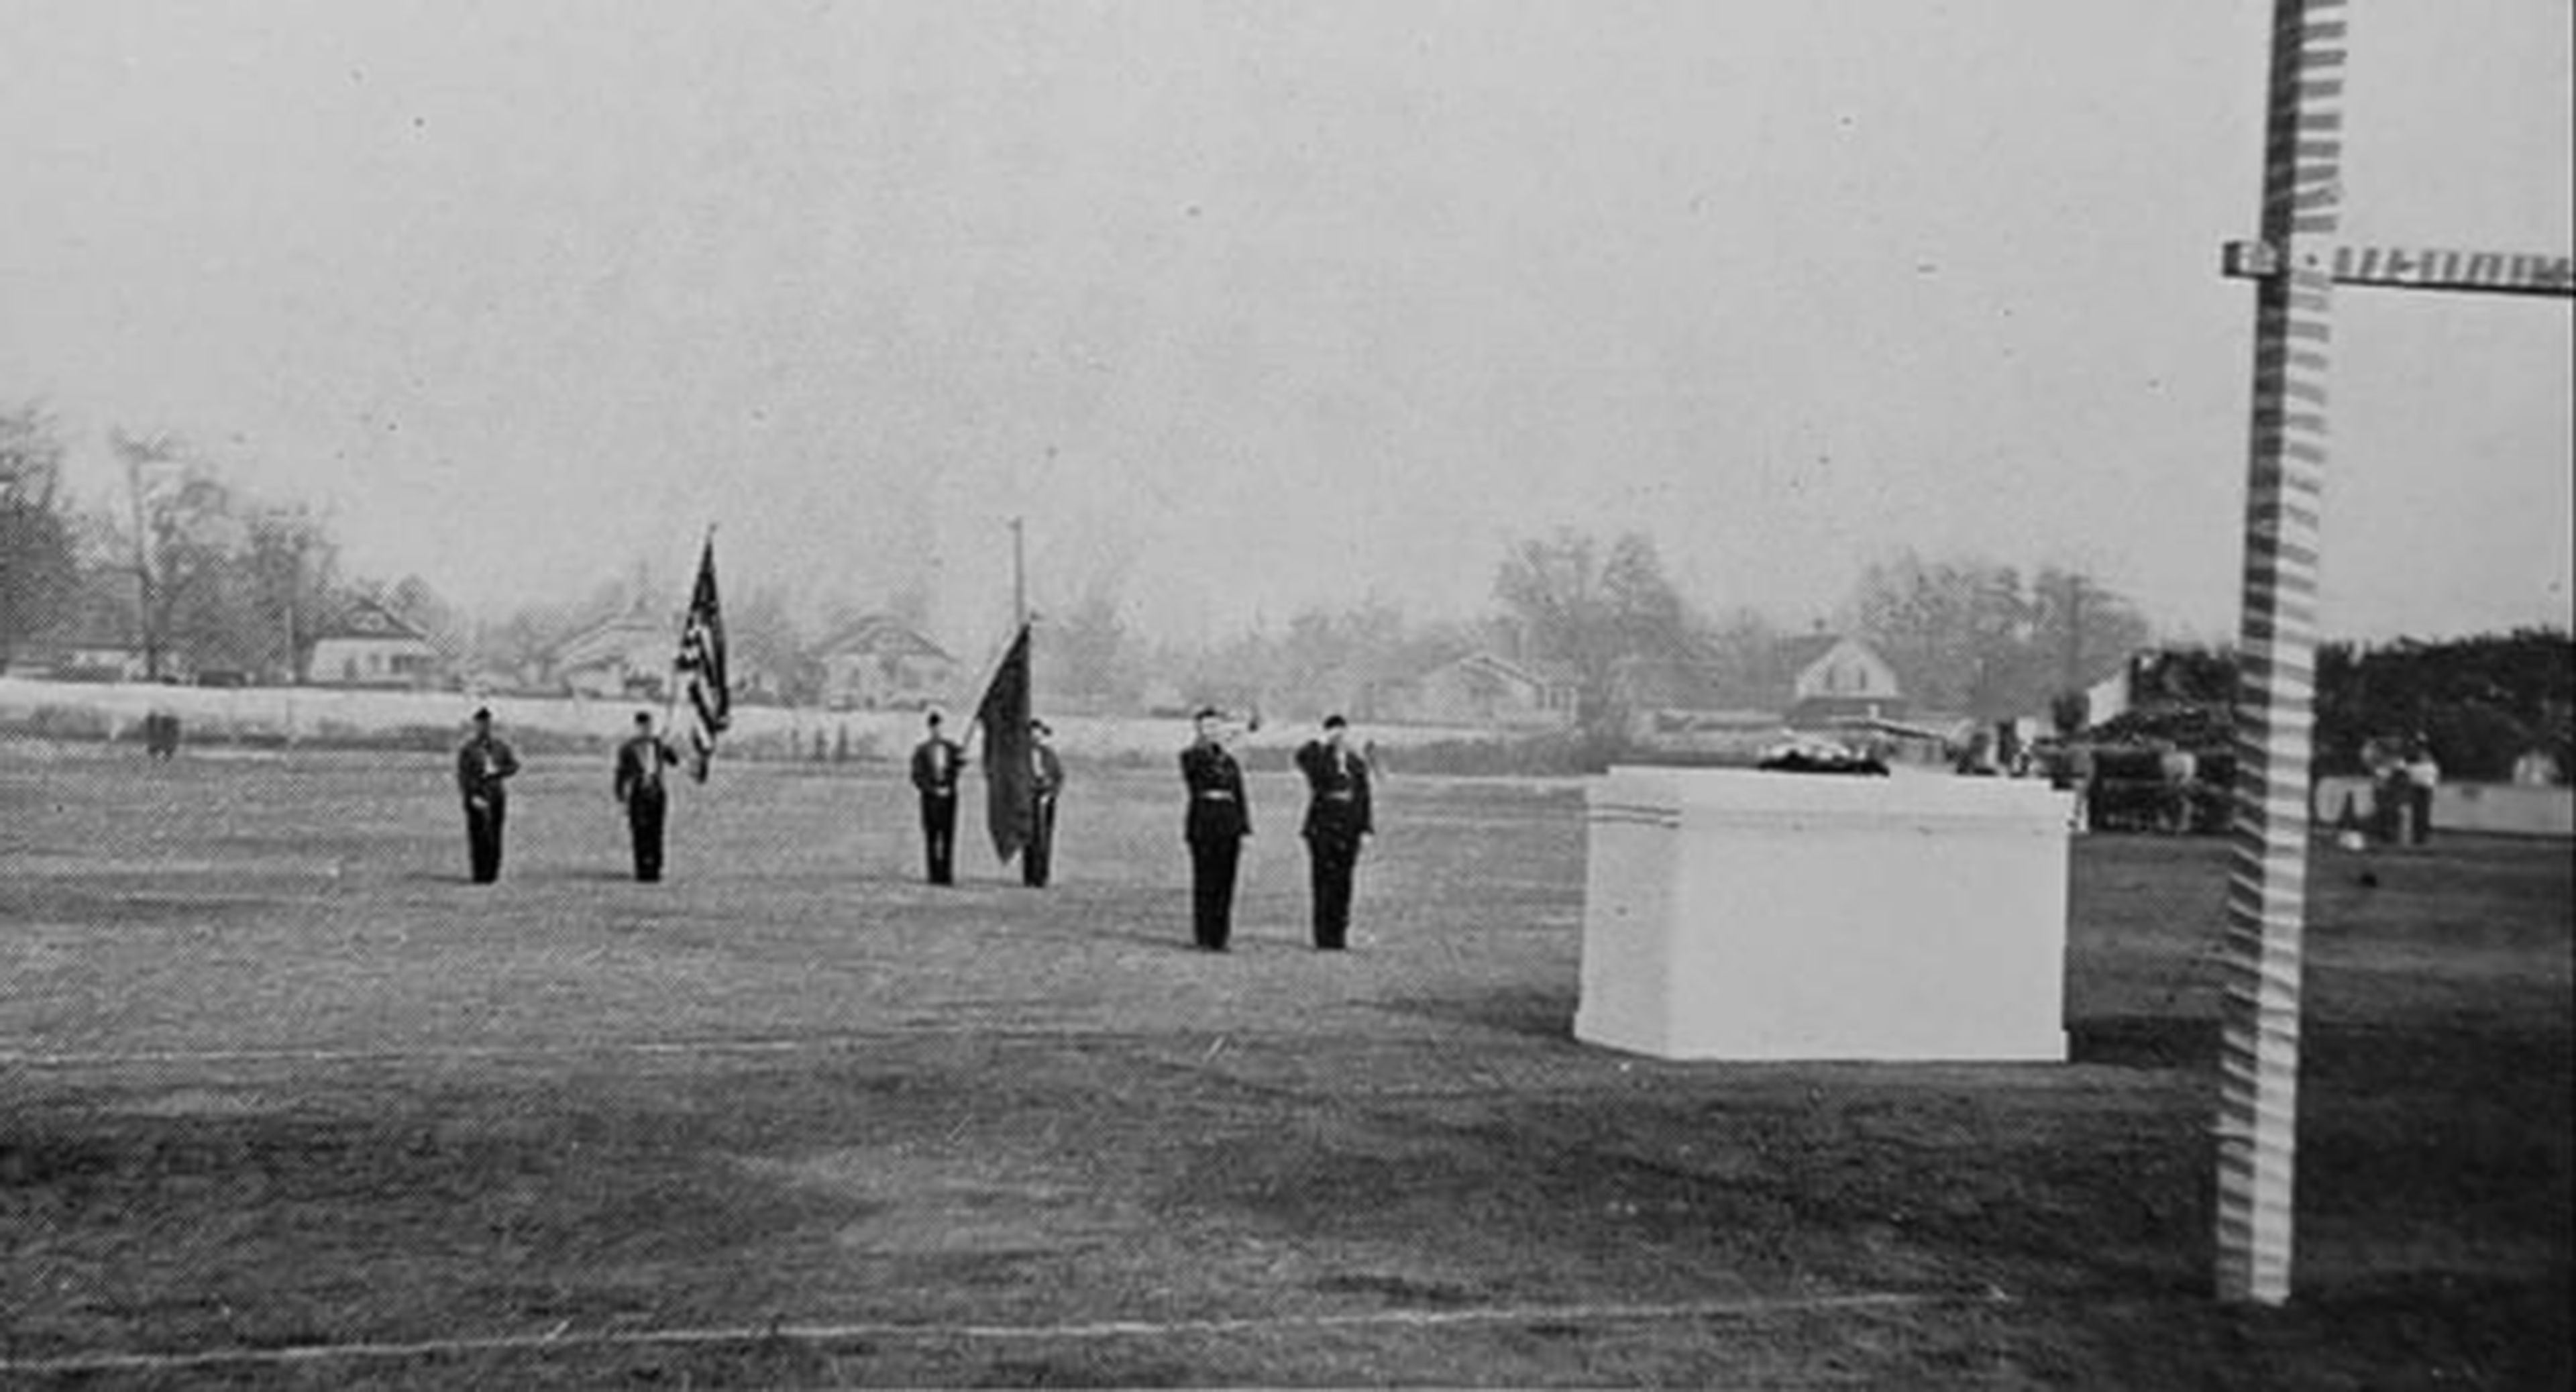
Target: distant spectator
2079, 778
161, 735
2387, 791
2536, 768
2423, 775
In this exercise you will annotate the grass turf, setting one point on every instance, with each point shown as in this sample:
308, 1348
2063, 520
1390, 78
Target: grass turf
278, 1080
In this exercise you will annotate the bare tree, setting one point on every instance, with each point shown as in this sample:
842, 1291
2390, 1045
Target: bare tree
38, 575
1595, 609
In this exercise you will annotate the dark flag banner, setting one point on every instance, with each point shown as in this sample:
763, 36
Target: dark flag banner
1010, 807
701, 668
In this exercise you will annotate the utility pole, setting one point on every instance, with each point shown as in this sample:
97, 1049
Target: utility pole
294, 576
134, 450
1019, 577
2074, 632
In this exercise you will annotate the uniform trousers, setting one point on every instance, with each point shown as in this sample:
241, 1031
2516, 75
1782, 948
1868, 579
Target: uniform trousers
645, 809
939, 836
1212, 863
1037, 859
1330, 859
483, 838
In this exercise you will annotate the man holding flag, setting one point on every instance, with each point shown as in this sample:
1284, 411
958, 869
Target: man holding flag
701, 665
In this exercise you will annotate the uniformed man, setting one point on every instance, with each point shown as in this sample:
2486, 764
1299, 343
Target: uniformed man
483, 764
1219, 818
935, 762
1337, 817
1046, 779
640, 761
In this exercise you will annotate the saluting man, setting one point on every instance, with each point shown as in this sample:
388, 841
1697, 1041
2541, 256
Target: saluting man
483, 764
1337, 817
935, 763
1046, 779
640, 761
1219, 818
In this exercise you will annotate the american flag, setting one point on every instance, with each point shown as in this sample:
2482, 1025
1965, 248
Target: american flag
701, 667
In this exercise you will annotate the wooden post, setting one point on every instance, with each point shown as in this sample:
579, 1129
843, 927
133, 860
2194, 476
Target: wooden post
2276, 654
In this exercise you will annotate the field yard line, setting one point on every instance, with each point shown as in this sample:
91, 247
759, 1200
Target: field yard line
1102, 1329
781, 1045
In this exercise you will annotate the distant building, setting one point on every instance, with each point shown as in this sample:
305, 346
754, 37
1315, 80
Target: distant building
1832, 678
629, 655
83, 656
366, 644
1481, 689
882, 663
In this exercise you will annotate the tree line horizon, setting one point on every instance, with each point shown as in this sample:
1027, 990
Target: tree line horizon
201, 573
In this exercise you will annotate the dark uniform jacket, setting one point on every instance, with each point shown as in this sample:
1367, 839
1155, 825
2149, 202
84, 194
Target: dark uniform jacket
933, 776
481, 764
1337, 791
640, 762
1217, 807
1046, 772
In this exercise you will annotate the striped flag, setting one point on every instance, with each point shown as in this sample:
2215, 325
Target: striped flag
701, 668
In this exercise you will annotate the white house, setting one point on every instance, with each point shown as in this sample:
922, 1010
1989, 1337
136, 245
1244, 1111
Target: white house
366, 644
627, 655
1480, 689
881, 663
1834, 677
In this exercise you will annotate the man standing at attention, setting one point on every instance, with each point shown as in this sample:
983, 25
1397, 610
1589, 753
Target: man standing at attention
640, 761
1046, 779
1218, 820
935, 763
482, 765
1337, 816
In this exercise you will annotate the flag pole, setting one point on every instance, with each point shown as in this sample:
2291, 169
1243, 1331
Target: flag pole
1019, 577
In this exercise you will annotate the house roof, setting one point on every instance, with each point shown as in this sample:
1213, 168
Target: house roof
614, 638
1500, 666
883, 635
1804, 651
361, 617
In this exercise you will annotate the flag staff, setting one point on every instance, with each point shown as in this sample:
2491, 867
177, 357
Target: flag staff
1019, 577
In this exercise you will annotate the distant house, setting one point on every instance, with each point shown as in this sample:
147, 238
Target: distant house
366, 644
98, 640
882, 663
1833, 678
626, 655
1481, 689
84, 656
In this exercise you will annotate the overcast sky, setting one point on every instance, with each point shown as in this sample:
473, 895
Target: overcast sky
1250, 306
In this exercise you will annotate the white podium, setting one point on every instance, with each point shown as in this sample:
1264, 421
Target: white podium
1738, 914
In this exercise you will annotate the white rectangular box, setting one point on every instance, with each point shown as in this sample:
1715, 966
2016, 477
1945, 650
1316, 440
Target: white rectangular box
1738, 914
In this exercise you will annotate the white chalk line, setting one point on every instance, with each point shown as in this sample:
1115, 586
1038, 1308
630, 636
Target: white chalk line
165, 1058
788, 1044
563, 1338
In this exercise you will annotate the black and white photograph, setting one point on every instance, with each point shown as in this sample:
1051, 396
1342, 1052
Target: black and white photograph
1231, 693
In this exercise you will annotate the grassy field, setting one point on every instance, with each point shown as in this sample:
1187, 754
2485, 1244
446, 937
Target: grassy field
288, 1102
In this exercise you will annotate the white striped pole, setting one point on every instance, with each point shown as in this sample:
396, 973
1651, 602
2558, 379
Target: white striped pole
2276, 652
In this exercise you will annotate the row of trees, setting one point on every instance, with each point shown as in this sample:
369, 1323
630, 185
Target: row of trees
207, 577
37, 571
2483, 702
1966, 637
202, 576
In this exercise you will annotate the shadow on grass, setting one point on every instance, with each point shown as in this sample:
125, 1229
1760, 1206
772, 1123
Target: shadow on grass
1531, 1014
